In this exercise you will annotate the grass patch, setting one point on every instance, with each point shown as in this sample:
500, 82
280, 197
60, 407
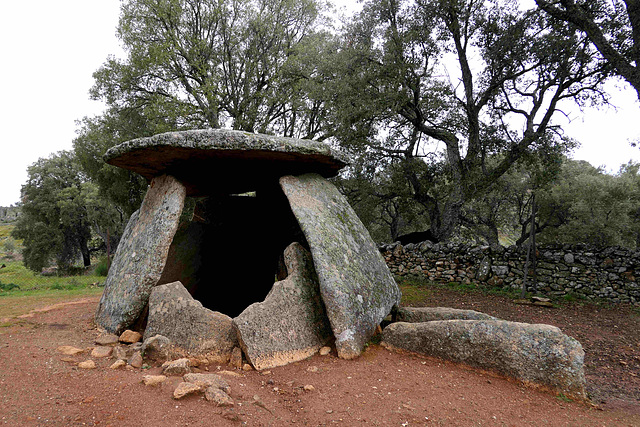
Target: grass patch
16, 273
17, 303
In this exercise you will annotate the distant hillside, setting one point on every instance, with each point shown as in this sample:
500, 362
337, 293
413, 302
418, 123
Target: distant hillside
9, 214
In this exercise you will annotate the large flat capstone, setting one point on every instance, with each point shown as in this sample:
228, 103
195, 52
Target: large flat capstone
291, 324
534, 353
219, 161
356, 286
141, 255
192, 329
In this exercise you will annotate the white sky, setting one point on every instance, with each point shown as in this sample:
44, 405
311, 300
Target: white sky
50, 50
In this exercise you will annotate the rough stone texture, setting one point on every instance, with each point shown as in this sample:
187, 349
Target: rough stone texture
130, 337
87, 364
191, 328
176, 367
157, 348
208, 380
428, 314
539, 354
135, 360
118, 364
356, 286
101, 351
185, 389
141, 255
120, 353
107, 339
213, 160
153, 380
69, 350
217, 396
236, 358
291, 323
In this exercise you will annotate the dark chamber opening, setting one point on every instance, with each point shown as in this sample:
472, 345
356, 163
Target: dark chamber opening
227, 251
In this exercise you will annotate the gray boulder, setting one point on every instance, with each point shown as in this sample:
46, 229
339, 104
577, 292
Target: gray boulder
141, 255
356, 286
428, 314
191, 328
290, 324
539, 354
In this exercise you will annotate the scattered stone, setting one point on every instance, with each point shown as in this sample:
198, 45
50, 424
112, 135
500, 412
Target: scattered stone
428, 314
218, 396
185, 389
308, 387
291, 323
153, 380
312, 369
130, 337
258, 402
141, 255
69, 350
236, 358
522, 302
247, 367
541, 299
357, 288
157, 348
119, 353
191, 328
68, 360
325, 351
87, 364
230, 374
107, 339
207, 380
543, 304
539, 354
265, 373
176, 367
118, 364
101, 351
136, 360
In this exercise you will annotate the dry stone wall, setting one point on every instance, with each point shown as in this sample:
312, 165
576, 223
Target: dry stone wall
606, 273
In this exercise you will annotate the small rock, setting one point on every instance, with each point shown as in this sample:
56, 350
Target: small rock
101, 351
185, 389
153, 380
265, 373
217, 396
136, 360
247, 367
325, 351
118, 364
236, 358
68, 360
208, 380
119, 353
130, 337
258, 402
312, 369
176, 367
230, 374
308, 387
87, 364
157, 348
69, 350
107, 339
543, 304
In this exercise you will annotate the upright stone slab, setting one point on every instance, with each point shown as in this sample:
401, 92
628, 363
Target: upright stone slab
192, 329
141, 255
291, 324
539, 354
356, 286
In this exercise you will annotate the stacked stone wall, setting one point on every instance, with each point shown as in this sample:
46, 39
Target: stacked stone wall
606, 273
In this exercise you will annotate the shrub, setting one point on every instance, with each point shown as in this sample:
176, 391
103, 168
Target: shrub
101, 267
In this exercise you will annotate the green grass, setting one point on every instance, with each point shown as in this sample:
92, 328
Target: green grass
16, 273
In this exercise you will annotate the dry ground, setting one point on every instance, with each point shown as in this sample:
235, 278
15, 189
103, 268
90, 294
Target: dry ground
38, 387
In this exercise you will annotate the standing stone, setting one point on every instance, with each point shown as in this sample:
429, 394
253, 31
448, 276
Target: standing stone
141, 255
190, 327
291, 324
539, 354
356, 286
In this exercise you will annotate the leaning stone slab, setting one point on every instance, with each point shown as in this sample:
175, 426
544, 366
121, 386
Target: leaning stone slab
291, 324
141, 255
356, 286
191, 328
539, 354
428, 314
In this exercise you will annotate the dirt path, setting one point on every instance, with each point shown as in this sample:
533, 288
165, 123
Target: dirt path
38, 387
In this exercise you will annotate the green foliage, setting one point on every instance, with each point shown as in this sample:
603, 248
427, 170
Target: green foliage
101, 267
8, 286
28, 281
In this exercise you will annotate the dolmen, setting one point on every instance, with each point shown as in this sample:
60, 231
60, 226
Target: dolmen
241, 241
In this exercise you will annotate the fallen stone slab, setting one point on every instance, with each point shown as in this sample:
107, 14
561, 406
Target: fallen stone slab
185, 389
291, 323
208, 380
533, 353
141, 255
192, 329
218, 396
357, 288
428, 314
176, 367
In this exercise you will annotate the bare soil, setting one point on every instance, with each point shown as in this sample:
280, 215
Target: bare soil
40, 386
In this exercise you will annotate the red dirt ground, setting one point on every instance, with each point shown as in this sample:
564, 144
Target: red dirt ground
37, 387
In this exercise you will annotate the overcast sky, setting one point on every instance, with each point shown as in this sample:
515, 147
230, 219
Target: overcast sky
51, 48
